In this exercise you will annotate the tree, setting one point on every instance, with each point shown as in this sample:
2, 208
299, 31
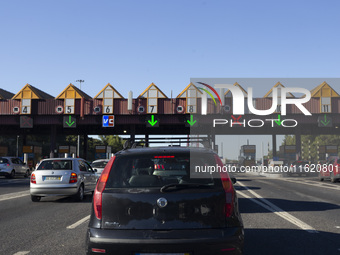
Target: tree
310, 143
114, 141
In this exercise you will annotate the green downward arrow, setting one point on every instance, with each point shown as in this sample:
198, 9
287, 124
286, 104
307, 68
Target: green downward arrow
69, 122
152, 121
191, 121
279, 120
325, 123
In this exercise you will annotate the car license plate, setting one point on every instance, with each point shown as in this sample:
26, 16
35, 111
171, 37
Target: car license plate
52, 178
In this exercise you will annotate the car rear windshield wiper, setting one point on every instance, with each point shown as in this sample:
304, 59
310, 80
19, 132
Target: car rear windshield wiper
184, 186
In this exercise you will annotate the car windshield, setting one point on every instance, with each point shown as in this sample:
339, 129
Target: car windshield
99, 164
154, 171
55, 165
3, 160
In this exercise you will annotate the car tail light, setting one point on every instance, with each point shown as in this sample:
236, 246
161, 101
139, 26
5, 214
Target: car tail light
337, 168
228, 188
73, 178
98, 250
33, 180
97, 196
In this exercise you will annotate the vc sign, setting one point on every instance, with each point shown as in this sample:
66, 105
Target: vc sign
108, 120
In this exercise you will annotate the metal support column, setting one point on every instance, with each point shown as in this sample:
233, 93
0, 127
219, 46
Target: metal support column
53, 136
85, 146
298, 145
146, 140
274, 145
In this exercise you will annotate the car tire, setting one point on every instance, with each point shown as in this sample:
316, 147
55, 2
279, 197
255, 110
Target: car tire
321, 178
332, 177
12, 174
80, 194
27, 173
35, 198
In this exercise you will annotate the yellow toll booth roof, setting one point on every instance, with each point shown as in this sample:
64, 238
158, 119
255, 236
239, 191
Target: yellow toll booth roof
324, 90
31, 92
72, 92
152, 87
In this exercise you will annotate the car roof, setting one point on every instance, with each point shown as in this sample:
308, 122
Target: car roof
100, 160
61, 159
164, 150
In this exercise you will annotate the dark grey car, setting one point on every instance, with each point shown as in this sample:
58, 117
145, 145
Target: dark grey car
153, 201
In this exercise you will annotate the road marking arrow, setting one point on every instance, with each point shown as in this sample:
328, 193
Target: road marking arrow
326, 122
152, 122
191, 121
69, 122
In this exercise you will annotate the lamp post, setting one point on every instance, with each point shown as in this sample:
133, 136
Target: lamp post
80, 81
78, 141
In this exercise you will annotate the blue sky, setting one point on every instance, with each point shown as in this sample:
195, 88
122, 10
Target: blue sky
130, 44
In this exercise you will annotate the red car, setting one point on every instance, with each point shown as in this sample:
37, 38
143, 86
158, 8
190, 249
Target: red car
330, 170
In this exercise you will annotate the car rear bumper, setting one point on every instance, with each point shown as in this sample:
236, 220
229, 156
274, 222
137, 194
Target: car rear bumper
193, 242
5, 172
53, 191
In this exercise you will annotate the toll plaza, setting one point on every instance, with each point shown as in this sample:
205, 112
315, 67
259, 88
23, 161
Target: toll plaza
195, 111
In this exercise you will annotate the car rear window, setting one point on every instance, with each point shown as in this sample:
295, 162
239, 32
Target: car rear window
55, 165
156, 171
100, 164
3, 160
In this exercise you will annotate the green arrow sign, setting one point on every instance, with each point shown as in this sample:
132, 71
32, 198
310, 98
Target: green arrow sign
325, 122
191, 121
278, 122
69, 122
152, 122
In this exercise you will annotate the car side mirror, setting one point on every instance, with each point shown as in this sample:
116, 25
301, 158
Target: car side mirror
233, 180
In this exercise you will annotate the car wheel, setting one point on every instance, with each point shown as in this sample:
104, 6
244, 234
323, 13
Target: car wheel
35, 198
320, 178
27, 173
332, 177
12, 175
80, 194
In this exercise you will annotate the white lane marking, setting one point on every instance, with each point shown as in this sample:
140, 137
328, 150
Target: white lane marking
278, 211
79, 222
337, 226
21, 253
14, 195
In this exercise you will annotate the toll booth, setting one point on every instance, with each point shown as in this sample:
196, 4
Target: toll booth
288, 152
103, 152
327, 151
32, 154
66, 151
247, 155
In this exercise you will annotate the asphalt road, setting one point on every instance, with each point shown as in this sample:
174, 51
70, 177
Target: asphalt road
295, 215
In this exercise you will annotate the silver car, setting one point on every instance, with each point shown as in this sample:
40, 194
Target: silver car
62, 177
99, 165
12, 166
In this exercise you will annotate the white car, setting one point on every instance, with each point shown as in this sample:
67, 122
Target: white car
13, 166
62, 177
99, 165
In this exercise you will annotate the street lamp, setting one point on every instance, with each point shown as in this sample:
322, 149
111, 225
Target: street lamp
78, 142
80, 81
